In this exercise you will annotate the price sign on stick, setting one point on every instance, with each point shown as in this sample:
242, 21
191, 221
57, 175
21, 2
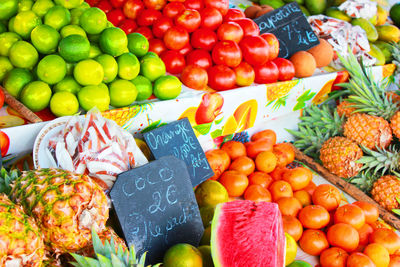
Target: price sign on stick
290, 26
178, 139
156, 207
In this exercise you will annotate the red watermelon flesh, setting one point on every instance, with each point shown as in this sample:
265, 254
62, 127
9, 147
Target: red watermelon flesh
245, 233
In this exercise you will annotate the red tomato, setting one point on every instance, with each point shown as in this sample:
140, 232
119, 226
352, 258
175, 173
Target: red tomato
161, 26
200, 58
194, 77
115, 16
221, 77
92, 2
185, 50
132, 8
273, 44
194, 4
250, 28
211, 18
244, 74
128, 26
176, 38
157, 46
148, 16
230, 31
171, 10
221, 5
117, 3
105, 6
145, 31
189, 19
227, 53
203, 39
234, 14
174, 62
266, 73
285, 67
255, 50
155, 4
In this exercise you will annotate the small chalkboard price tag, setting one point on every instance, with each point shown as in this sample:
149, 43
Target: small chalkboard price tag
177, 138
156, 207
290, 26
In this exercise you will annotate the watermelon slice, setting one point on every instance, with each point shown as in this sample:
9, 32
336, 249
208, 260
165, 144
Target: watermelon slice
245, 233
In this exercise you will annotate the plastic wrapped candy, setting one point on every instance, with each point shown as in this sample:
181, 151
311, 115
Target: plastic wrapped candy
95, 146
342, 35
359, 8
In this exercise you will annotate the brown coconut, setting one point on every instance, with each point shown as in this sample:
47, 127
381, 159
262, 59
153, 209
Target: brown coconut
323, 53
251, 11
304, 64
264, 10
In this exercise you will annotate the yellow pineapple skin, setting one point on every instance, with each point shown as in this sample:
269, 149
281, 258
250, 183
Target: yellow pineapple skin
339, 156
65, 206
344, 109
395, 124
21, 242
369, 131
385, 190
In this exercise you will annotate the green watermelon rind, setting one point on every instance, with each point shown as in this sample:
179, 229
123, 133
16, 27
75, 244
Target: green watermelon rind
213, 242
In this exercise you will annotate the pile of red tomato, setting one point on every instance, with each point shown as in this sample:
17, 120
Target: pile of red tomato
203, 40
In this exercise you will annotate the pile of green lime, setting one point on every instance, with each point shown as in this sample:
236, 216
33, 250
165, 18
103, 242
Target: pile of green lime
64, 54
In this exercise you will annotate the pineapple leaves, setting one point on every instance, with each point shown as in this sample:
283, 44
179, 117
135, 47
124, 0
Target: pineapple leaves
97, 245
80, 261
104, 261
116, 262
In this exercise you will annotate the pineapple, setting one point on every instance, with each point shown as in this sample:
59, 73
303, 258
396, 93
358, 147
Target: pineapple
107, 256
385, 191
64, 205
21, 243
339, 155
344, 109
369, 128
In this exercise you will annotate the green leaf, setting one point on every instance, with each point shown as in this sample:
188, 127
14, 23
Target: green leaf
299, 106
153, 126
218, 121
216, 133
143, 259
80, 260
97, 245
203, 129
306, 96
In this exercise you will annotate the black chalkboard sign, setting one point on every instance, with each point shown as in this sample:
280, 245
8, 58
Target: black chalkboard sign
290, 26
156, 207
177, 138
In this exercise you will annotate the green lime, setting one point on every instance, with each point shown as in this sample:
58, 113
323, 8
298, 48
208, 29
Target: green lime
206, 255
7, 39
45, 39
8, 8
51, 69
104, 86
23, 55
94, 51
64, 104
11, 24
273, 3
3, 28
122, 93
68, 84
144, 87
36, 95
150, 54
74, 48
299, 264
5, 67
207, 214
93, 20
40, 7
94, 38
394, 14
113, 41
88, 72
182, 255
316, 6
57, 17
94, 96
25, 22
110, 67
152, 68
72, 29
77, 12
15, 80
70, 68
138, 44
305, 11
211, 193
25, 5
205, 239
69, 3
128, 66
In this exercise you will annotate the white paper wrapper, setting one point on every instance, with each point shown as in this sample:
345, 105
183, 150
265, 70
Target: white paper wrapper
359, 8
342, 36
